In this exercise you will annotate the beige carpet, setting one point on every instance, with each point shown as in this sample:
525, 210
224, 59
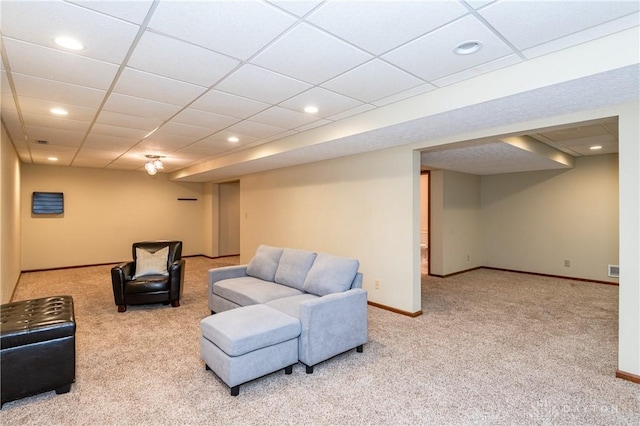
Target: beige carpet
492, 348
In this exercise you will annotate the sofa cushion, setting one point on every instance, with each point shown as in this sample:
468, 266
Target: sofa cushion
330, 274
148, 263
246, 291
293, 267
264, 263
291, 305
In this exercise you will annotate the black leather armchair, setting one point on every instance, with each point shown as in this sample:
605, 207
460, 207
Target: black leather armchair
155, 288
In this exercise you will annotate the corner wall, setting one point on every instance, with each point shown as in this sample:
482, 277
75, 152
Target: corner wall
9, 218
534, 221
106, 211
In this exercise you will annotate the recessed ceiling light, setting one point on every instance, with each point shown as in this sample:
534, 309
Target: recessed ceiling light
233, 139
310, 109
595, 147
59, 111
52, 158
468, 47
69, 43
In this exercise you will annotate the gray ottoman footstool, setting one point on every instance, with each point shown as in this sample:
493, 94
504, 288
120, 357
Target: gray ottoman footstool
243, 344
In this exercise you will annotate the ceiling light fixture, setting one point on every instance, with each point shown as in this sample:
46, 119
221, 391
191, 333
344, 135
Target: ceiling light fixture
233, 139
69, 43
311, 109
58, 111
153, 164
52, 158
595, 147
468, 47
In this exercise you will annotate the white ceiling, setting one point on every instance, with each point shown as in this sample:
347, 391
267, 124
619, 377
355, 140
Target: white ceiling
197, 72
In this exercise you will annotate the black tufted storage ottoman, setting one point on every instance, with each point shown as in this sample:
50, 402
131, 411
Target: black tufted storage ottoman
37, 347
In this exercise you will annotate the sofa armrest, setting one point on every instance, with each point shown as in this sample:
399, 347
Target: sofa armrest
225, 273
119, 274
332, 324
176, 279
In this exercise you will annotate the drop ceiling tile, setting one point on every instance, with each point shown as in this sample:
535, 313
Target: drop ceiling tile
132, 11
379, 26
178, 60
43, 107
87, 161
213, 122
503, 62
118, 131
54, 137
226, 104
526, 24
432, 57
96, 141
373, 80
131, 105
351, 112
414, 91
163, 143
85, 154
50, 19
64, 154
274, 137
51, 123
612, 127
173, 128
283, 117
238, 29
262, 85
576, 132
299, 8
317, 123
204, 147
258, 130
223, 136
127, 120
308, 54
156, 88
592, 33
41, 88
328, 102
52, 64
477, 4
128, 163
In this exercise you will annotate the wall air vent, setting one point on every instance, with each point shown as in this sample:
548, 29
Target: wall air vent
614, 271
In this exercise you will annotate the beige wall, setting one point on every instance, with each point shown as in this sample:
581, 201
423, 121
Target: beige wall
362, 206
461, 226
106, 211
529, 221
535, 221
9, 218
229, 218
455, 222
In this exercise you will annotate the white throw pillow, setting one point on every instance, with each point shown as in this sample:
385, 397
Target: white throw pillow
148, 263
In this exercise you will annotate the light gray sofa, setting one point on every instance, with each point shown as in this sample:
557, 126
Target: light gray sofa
324, 292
